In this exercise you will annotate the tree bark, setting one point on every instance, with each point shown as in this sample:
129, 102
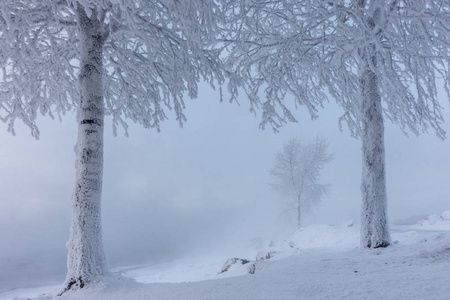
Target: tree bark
374, 224
86, 260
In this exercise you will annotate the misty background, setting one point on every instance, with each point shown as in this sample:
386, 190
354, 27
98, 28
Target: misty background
198, 190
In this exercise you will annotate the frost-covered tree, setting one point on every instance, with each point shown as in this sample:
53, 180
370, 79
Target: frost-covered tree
379, 60
296, 173
127, 59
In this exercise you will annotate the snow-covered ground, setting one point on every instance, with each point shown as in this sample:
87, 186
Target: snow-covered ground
317, 262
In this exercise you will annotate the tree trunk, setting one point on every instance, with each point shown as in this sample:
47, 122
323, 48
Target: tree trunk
299, 215
86, 260
374, 224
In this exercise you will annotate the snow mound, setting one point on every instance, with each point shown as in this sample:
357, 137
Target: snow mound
344, 236
438, 254
436, 222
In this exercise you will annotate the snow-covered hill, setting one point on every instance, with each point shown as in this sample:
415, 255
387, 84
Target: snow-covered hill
317, 262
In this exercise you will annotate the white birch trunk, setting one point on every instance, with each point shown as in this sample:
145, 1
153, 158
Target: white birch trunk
374, 224
86, 260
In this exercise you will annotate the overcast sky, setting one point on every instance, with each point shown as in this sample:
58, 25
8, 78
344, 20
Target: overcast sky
175, 192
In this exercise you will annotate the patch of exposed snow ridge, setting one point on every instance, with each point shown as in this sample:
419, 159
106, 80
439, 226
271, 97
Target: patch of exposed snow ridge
436, 222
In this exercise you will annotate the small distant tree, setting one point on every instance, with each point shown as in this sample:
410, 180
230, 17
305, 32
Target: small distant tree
296, 173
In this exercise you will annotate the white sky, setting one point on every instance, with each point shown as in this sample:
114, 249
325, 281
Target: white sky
207, 183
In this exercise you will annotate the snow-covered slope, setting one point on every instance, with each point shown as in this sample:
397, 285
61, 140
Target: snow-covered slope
317, 262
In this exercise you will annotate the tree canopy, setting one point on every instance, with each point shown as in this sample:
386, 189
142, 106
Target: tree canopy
310, 49
154, 52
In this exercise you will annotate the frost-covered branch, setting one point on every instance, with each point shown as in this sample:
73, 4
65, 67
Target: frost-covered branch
36, 61
155, 52
310, 48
